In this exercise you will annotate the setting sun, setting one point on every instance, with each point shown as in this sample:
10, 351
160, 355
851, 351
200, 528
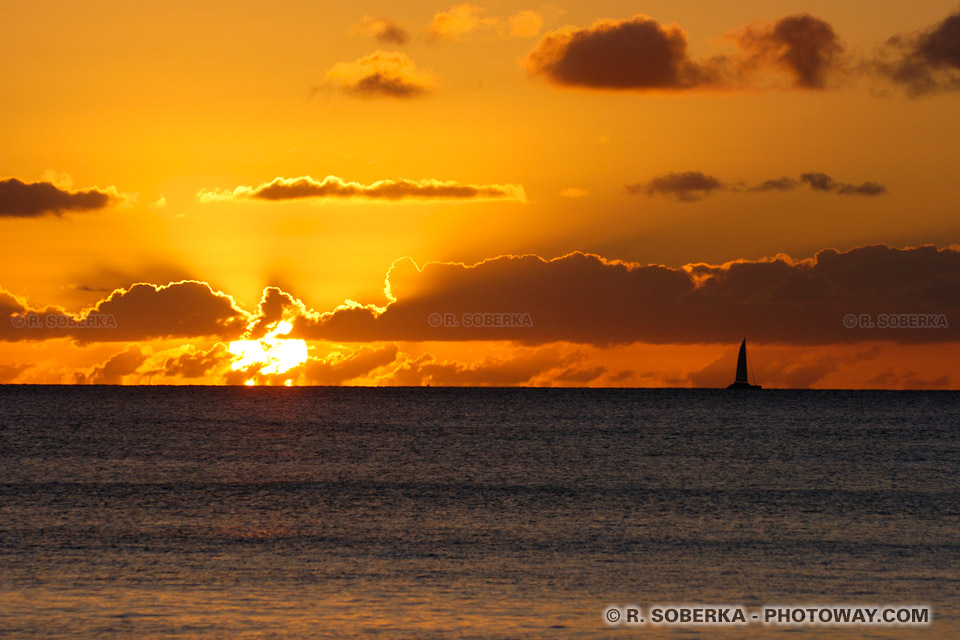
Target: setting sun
273, 354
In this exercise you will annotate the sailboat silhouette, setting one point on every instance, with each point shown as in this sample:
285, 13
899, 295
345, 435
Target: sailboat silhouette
742, 382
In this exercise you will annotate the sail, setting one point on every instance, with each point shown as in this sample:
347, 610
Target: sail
742, 362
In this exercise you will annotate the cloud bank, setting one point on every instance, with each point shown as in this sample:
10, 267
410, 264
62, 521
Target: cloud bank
144, 311
686, 186
692, 186
587, 299
333, 187
869, 294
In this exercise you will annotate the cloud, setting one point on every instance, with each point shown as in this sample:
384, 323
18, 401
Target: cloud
823, 182
807, 48
144, 311
20, 199
10, 372
116, 367
519, 368
525, 24
466, 21
275, 305
339, 368
458, 21
640, 54
775, 184
390, 74
573, 192
686, 186
195, 363
891, 379
577, 298
637, 53
384, 30
692, 186
387, 365
923, 62
585, 298
333, 187
91, 282
580, 376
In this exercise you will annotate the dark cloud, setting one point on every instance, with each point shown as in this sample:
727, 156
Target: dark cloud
587, 299
144, 311
384, 30
691, 186
580, 298
535, 366
273, 305
802, 45
818, 181
686, 186
822, 182
580, 376
380, 83
864, 189
641, 54
194, 363
116, 367
333, 187
926, 61
337, 369
775, 184
32, 199
392, 33
798, 51
638, 53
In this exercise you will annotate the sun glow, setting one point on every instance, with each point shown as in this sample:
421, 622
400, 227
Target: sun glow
274, 354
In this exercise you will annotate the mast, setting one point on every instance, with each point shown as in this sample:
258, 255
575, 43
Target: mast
742, 362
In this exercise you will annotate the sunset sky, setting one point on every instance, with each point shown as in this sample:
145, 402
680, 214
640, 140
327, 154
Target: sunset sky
626, 190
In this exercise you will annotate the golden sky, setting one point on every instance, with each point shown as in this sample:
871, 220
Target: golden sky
625, 189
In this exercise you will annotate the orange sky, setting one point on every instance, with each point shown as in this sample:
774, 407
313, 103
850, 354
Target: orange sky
163, 142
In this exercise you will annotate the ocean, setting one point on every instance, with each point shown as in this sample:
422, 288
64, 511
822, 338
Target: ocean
222, 512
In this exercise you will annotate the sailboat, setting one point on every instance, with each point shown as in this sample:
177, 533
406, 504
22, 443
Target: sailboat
741, 382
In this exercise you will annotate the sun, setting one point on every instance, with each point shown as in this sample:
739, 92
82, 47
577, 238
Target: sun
274, 354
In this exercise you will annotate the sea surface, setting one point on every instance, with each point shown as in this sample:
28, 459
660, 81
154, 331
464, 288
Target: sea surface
156, 512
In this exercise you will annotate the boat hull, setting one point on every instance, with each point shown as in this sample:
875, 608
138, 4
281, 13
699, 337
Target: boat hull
744, 385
